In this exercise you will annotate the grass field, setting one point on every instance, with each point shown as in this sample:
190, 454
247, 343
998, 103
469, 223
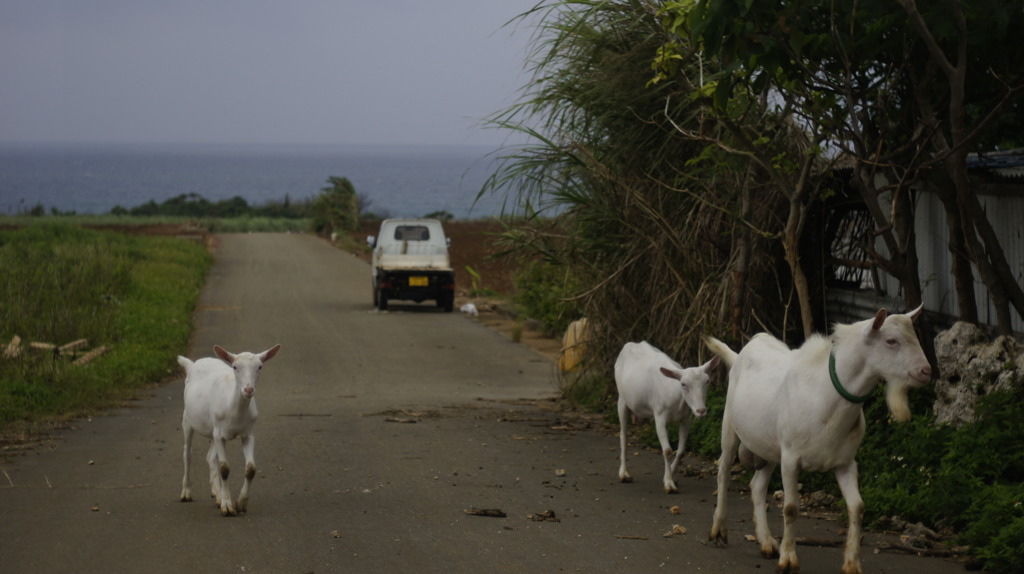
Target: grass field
129, 296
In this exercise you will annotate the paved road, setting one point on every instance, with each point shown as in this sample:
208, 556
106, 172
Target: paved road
343, 485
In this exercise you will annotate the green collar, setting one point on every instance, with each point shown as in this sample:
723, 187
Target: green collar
839, 387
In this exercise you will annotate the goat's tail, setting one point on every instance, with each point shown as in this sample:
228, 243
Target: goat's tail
185, 363
721, 349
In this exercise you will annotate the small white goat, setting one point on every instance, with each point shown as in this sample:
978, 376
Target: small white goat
650, 384
802, 409
219, 405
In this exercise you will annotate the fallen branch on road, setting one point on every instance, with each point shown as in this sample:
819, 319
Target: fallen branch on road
490, 512
933, 552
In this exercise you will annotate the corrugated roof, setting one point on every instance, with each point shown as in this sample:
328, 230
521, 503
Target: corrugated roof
1007, 164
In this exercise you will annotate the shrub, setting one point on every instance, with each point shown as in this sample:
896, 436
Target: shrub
587, 391
996, 530
476, 284
336, 209
543, 292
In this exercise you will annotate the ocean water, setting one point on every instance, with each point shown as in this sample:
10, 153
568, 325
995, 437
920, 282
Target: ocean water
398, 181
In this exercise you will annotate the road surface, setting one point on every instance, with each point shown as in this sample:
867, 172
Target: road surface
376, 432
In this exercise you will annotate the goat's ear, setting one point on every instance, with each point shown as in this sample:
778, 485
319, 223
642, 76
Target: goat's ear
879, 320
269, 353
224, 355
710, 365
916, 312
671, 374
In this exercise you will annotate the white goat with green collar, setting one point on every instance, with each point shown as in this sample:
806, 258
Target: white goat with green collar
802, 409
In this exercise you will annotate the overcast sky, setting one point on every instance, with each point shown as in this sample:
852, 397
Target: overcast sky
259, 71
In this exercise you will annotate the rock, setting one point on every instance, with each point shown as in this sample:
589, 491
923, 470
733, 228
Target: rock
920, 531
820, 499
676, 529
891, 523
546, 516
972, 367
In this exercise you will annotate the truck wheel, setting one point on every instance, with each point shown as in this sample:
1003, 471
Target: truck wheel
382, 300
447, 302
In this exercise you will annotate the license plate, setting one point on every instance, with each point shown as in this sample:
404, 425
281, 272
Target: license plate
419, 281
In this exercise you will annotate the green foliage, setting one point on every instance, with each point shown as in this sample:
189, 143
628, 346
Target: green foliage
967, 478
134, 295
926, 472
622, 192
336, 209
476, 284
192, 205
48, 267
996, 529
706, 437
588, 391
440, 215
909, 88
543, 293
246, 224
242, 224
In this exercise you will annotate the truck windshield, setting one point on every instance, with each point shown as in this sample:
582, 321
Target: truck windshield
412, 233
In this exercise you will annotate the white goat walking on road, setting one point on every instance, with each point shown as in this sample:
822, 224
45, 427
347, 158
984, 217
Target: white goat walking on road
650, 384
782, 409
219, 405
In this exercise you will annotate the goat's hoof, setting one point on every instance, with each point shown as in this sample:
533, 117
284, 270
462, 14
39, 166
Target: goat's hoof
671, 489
228, 512
719, 537
791, 567
851, 568
186, 498
771, 550
625, 478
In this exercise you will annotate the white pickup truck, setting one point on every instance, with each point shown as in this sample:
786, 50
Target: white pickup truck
410, 262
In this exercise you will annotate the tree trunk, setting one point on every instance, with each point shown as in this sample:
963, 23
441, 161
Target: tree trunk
906, 236
741, 261
963, 274
986, 271
897, 234
791, 243
994, 249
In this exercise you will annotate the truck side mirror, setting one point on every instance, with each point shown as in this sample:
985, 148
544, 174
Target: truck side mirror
371, 240
448, 241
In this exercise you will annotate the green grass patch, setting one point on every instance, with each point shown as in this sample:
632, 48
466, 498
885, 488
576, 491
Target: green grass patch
235, 224
134, 295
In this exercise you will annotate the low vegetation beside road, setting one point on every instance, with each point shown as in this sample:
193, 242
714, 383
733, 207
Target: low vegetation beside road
88, 317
